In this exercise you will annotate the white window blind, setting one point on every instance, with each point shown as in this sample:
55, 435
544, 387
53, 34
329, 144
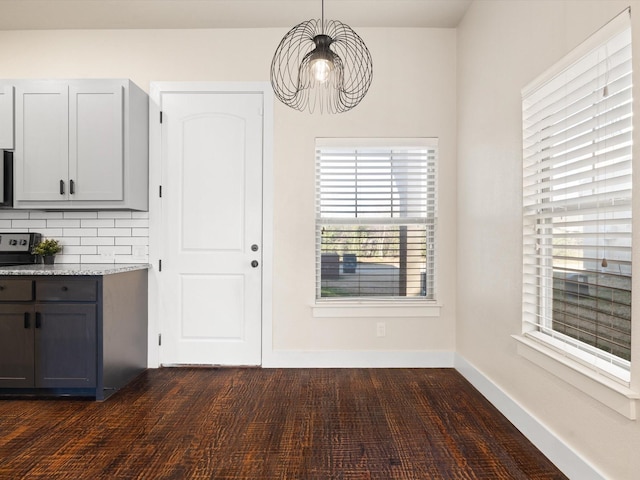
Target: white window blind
375, 218
577, 187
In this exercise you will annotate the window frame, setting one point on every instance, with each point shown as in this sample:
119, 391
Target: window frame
601, 380
373, 306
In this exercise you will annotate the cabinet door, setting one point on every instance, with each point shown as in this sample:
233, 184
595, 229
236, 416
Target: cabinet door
6, 117
42, 141
16, 346
96, 149
65, 346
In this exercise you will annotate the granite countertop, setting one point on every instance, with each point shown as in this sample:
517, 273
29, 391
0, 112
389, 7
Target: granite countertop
73, 269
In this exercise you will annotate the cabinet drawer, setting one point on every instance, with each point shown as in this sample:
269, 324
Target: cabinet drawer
67, 290
16, 290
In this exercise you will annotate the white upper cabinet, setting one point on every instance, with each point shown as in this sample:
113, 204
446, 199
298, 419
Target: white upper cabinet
96, 143
41, 157
81, 144
6, 117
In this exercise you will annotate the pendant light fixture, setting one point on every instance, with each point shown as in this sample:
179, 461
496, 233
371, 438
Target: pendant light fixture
321, 66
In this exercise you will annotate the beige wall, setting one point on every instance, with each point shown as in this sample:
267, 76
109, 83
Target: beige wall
502, 46
413, 94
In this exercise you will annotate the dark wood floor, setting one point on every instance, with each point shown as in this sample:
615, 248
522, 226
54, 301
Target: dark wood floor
255, 424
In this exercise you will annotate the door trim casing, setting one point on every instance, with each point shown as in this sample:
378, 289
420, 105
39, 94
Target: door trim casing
157, 89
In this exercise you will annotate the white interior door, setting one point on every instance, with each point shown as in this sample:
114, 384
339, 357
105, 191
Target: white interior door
210, 283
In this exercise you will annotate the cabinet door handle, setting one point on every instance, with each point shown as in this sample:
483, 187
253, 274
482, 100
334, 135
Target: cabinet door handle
65, 288
61, 187
38, 320
71, 187
27, 323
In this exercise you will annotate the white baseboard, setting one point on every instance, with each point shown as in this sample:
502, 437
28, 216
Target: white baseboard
357, 359
568, 461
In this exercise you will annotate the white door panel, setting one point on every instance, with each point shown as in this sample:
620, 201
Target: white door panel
195, 293
212, 215
215, 163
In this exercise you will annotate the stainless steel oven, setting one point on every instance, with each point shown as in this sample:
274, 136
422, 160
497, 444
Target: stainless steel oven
16, 248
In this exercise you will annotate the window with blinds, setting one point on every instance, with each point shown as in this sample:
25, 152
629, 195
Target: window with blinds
577, 187
375, 218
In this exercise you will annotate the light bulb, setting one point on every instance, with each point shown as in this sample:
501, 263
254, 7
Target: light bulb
321, 68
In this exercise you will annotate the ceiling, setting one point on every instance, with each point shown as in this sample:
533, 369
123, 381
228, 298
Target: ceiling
114, 14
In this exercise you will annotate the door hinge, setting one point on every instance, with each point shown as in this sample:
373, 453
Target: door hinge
160, 116
160, 191
159, 265
159, 339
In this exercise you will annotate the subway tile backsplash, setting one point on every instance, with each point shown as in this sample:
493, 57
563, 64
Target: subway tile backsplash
87, 236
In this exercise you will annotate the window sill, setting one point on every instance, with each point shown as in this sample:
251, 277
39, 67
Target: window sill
372, 308
606, 390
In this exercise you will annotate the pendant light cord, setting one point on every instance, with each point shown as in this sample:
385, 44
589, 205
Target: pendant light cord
322, 19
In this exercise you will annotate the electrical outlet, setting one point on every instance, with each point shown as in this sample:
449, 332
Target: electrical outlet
139, 251
108, 254
381, 329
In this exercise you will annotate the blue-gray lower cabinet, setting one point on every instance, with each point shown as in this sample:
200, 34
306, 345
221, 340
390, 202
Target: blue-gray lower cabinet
72, 335
65, 345
17, 345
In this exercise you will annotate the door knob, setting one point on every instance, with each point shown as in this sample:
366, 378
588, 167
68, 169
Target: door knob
254, 248
254, 264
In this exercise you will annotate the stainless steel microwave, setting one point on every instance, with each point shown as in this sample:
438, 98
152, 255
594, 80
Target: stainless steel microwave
6, 180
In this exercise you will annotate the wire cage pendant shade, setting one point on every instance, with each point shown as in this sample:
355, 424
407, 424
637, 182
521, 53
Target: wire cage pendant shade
321, 66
